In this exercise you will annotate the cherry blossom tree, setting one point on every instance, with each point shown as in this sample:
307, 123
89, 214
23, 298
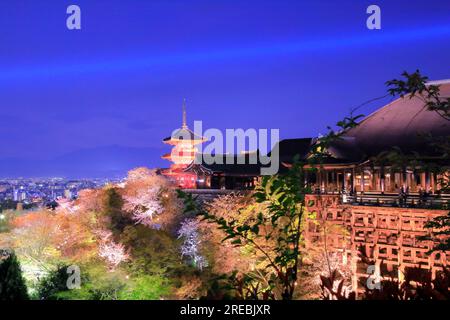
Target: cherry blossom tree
67, 206
113, 253
151, 200
191, 244
144, 205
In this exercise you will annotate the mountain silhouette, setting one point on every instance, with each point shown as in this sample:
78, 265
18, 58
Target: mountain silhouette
101, 162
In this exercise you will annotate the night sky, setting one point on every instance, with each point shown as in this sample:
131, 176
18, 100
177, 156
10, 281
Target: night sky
101, 99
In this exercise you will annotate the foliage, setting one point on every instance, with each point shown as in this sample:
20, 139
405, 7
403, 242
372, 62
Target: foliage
44, 238
280, 223
113, 253
151, 200
153, 252
146, 287
415, 86
121, 257
191, 288
145, 206
55, 282
12, 283
222, 255
333, 287
439, 233
285, 199
9, 204
320, 259
416, 286
112, 214
98, 283
5, 221
34, 236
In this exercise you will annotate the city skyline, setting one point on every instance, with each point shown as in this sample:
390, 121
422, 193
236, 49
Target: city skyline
98, 101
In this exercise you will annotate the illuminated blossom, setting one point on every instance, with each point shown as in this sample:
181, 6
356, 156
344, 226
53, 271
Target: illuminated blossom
190, 247
113, 253
144, 205
139, 174
121, 185
67, 206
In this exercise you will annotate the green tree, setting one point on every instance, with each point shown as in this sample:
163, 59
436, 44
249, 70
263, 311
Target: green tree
12, 283
112, 209
153, 252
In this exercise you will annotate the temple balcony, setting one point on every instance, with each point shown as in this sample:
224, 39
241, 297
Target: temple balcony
411, 200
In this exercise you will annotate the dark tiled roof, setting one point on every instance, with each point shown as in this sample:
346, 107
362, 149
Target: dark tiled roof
402, 123
227, 165
289, 148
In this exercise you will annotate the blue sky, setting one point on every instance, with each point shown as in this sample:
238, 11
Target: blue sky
297, 66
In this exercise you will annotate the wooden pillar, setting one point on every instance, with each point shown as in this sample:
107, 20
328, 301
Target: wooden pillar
433, 182
305, 178
362, 182
401, 273
375, 179
427, 181
353, 180
413, 185
354, 268
382, 180
392, 180
404, 178
345, 180
423, 184
322, 182
338, 186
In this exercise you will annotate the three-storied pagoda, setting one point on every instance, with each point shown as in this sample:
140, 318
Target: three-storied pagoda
183, 153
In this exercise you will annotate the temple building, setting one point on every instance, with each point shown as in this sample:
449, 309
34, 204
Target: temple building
381, 182
390, 151
231, 172
183, 153
358, 167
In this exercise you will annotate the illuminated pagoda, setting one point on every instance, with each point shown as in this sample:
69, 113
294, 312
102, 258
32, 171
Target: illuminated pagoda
183, 153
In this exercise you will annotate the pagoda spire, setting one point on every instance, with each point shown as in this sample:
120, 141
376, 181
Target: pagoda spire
184, 114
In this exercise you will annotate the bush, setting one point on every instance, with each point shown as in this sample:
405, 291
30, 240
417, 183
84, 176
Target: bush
146, 288
12, 283
52, 284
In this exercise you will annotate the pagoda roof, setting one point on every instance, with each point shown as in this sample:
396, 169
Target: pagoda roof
184, 134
